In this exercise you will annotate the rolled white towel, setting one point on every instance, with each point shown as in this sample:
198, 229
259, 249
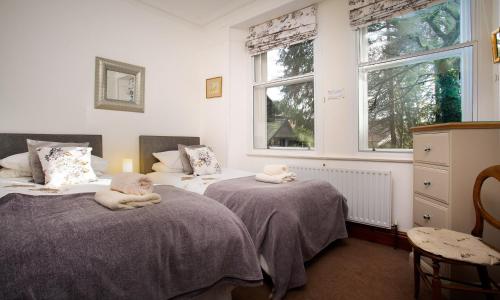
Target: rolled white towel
282, 178
132, 183
119, 201
275, 169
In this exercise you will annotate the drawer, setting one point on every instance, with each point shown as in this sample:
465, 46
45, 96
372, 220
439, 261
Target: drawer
431, 148
426, 213
431, 182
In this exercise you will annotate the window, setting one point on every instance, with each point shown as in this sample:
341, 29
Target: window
414, 70
283, 102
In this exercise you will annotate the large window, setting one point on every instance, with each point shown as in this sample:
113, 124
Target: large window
415, 69
283, 92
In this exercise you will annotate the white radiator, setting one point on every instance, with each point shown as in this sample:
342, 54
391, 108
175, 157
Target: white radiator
368, 193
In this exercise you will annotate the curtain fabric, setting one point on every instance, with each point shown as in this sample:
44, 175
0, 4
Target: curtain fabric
286, 30
365, 12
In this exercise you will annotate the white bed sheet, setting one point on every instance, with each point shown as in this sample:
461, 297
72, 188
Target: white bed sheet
24, 185
196, 184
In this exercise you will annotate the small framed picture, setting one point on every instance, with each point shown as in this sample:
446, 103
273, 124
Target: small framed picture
214, 87
495, 45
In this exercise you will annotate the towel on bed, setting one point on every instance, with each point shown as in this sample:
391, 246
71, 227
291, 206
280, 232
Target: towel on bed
281, 178
275, 169
132, 183
116, 201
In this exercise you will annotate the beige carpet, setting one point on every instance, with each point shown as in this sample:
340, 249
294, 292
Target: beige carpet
351, 269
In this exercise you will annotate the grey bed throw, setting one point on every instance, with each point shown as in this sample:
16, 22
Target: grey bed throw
70, 247
289, 223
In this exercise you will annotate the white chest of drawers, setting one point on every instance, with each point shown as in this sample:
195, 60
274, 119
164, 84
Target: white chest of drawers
447, 159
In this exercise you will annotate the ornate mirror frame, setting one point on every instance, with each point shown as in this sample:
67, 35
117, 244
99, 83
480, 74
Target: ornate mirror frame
102, 66
495, 44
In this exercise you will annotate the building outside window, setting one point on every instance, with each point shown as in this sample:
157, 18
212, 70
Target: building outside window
283, 90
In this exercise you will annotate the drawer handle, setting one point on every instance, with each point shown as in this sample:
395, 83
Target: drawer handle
427, 148
427, 217
427, 183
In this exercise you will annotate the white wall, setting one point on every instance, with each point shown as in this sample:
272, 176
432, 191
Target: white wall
496, 68
48, 51
336, 127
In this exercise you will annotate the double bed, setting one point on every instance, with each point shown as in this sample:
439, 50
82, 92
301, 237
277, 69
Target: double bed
61, 244
289, 223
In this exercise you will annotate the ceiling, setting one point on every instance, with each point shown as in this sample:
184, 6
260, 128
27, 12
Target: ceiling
199, 12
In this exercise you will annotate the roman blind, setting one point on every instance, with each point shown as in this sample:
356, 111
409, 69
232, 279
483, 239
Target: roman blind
286, 30
365, 12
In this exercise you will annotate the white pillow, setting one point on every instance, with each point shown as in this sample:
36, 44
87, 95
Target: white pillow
171, 159
163, 168
99, 165
13, 173
18, 161
66, 165
21, 162
203, 161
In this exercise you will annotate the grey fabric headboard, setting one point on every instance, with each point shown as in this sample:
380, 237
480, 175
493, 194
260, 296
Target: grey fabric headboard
149, 144
13, 143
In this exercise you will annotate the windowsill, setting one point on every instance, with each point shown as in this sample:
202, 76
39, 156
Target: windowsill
361, 156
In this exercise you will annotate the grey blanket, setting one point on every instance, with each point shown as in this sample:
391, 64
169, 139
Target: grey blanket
70, 247
289, 223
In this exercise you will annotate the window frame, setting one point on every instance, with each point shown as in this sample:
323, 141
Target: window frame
308, 77
465, 49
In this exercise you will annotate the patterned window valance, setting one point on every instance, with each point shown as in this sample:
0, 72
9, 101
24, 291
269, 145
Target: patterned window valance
365, 12
286, 30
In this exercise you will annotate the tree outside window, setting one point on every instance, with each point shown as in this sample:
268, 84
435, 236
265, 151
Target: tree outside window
411, 73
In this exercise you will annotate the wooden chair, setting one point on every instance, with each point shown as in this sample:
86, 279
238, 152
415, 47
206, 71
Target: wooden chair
446, 246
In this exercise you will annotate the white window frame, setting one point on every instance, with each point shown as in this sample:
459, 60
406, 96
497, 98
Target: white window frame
465, 50
256, 82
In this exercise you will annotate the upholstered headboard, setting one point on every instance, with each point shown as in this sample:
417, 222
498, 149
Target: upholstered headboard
13, 143
150, 144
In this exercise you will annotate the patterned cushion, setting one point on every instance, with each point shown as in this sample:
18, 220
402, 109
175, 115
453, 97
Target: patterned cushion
186, 164
453, 245
35, 164
203, 161
66, 165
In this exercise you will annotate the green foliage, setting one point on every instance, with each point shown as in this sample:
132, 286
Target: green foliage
298, 99
423, 93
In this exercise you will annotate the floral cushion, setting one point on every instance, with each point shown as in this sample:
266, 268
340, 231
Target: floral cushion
203, 161
66, 165
453, 245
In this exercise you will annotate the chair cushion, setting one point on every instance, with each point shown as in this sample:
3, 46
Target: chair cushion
453, 245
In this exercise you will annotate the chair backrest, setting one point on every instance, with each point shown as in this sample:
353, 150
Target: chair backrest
481, 213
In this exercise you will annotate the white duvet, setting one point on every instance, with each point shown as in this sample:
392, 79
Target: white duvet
196, 184
24, 185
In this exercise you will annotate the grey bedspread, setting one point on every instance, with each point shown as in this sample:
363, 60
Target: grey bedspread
70, 247
289, 223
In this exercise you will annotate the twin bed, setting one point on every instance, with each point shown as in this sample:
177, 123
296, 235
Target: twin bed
208, 235
62, 245
289, 223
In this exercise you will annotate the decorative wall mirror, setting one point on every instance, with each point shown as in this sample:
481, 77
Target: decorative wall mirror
118, 85
495, 44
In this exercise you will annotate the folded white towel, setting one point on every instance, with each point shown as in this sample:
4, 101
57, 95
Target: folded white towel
118, 201
132, 183
282, 178
275, 169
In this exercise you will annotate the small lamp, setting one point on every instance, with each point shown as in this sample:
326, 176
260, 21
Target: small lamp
127, 165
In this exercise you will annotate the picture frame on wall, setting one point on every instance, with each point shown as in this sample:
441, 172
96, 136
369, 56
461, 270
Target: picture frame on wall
213, 87
495, 45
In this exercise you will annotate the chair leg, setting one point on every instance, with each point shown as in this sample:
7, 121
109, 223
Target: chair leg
436, 281
485, 280
416, 272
